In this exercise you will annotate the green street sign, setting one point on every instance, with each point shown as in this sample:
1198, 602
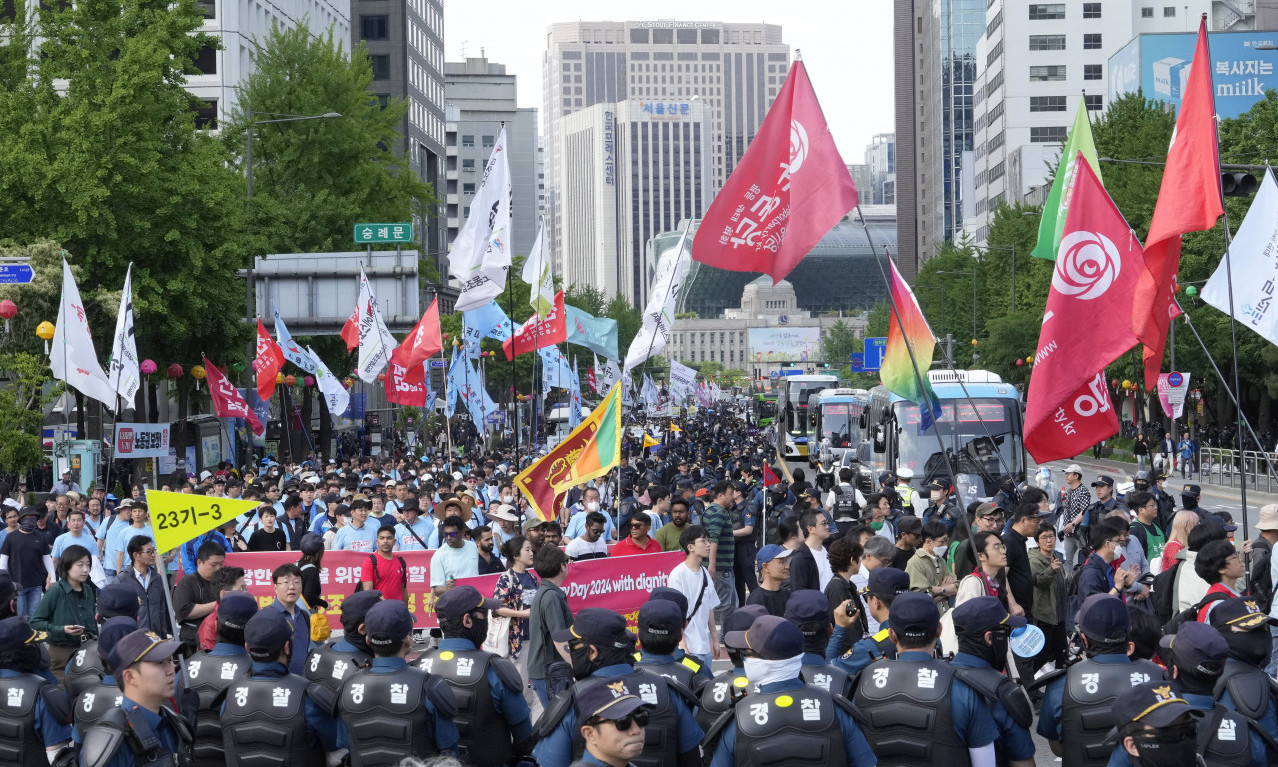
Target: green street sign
370, 234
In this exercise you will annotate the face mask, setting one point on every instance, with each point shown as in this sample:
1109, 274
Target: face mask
582, 664
936, 496
1250, 647
940, 551
1170, 747
994, 654
1119, 551
27, 525
592, 506
876, 525
478, 630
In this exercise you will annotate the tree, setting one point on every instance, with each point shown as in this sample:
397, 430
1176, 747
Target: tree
22, 403
839, 343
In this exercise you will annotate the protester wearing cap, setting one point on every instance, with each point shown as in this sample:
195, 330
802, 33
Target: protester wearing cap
1244, 686
785, 716
612, 723
101, 693
381, 723
88, 666
983, 628
143, 664
810, 611
600, 646
1156, 727
413, 530
772, 564
1075, 500
493, 720
914, 681
1075, 714
209, 672
25, 556
909, 534
32, 704
331, 664
660, 632
883, 586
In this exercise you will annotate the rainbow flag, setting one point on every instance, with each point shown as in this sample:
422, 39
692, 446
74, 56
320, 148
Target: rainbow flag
897, 373
590, 451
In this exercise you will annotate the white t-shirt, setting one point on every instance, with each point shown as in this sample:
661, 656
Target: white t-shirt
861, 580
580, 548
823, 565
696, 637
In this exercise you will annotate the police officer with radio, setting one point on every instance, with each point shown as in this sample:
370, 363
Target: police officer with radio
984, 629
1076, 715
810, 611
493, 719
87, 666
95, 701
390, 709
267, 717
330, 664
600, 646
722, 692
35, 716
210, 672
915, 709
885, 584
787, 722
660, 631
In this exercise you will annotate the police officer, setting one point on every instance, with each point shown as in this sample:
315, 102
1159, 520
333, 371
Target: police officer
600, 646
210, 672
1106, 501
391, 710
1075, 715
893, 696
87, 666
493, 719
885, 584
984, 628
940, 506
660, 631
612, 721
93, 702
35, 716
143, 731
267, 717
724, 690
1166, 504
1156, 728
786, 721
330, 664
911, 502
679, 598
810, 611
1244, 686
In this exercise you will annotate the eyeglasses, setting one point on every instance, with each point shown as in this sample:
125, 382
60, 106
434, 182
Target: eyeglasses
451, 535
625, 723
149, 552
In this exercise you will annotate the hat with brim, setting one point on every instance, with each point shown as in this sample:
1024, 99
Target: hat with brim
504, 511
142, 645
1156, 704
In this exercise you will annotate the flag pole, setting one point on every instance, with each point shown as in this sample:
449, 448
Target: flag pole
512, 400
448, 422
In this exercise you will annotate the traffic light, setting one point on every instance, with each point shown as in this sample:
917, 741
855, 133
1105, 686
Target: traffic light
1238, 184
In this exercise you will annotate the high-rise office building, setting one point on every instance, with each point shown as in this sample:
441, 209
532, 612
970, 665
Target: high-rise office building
733, 70
405, 42
880, 158
632, 170
479, 99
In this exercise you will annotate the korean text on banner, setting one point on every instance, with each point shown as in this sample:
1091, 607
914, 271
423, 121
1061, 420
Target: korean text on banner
178, 517
141, 440
617, 583
1172, 388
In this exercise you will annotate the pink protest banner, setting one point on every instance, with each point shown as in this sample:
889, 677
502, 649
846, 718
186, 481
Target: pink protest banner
621, 584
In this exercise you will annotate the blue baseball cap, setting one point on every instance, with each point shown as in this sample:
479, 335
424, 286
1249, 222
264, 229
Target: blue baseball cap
887, 582
770, 552
740, 620
661, 617
807, 606
388, 623
113, 630
981, 614
1104, 618
607, 698
914, 615
1157, 704
460, 600
1196, 647
118, 599
355, 607
141, 645
770, 637
671, 595
16, 632
266, 634
235, 610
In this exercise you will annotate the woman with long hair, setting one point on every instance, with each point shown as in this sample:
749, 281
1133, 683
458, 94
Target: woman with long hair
312, 546
1178, 538
515, 590
68, 610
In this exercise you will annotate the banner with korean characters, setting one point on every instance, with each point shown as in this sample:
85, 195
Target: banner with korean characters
142, 440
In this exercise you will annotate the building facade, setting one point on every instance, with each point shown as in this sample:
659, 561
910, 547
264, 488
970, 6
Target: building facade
733, 70
880, 158
632, 170
480, 98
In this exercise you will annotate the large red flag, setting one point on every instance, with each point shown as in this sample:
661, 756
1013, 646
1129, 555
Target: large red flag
1086, 327
537, 332
269, 361
1188, 201
227, 402
350, 331
790, 188
405, 383
425, 340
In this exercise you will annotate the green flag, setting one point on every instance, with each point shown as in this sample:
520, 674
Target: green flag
1052, 223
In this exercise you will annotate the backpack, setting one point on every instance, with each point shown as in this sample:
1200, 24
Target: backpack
1189, 614
1164, 592
403, 567
1262, 588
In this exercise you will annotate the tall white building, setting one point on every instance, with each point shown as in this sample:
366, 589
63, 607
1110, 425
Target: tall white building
733, 70
632, 170
1036, 61
880, 157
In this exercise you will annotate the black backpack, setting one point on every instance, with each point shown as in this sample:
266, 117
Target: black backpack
1163, 593
1262, 588
1190, 614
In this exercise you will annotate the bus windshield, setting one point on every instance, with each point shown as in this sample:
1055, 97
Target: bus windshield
984, 441
837, 422
797, 398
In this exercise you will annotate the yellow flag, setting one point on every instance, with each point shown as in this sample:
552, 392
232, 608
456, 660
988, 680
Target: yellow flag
675, 428
178, 517
650, 441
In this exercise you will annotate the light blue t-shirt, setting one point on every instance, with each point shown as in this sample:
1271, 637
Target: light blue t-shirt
577, 527
450, 563
62, 542
115, 543
352, 538
405, 540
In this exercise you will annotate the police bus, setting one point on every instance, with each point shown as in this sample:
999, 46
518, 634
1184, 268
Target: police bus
980, 438
792, 411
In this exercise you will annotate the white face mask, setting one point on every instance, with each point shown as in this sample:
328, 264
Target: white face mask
592, 506
936, 496
940, 551
1119, 551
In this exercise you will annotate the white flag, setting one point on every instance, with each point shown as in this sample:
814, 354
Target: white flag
611, 374
480, 256
659, 314
682, 378
537, 273
335, 395
1254, 256
123, 372
650, 394
375, 341
72, 356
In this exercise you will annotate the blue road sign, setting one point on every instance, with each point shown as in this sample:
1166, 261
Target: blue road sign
16, 274
872, 358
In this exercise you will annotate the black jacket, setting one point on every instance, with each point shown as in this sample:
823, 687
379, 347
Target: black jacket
803, 569
1020, 579
153, 614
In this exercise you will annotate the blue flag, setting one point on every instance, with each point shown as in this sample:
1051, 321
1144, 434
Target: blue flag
487, 321
292, 352
456, 380
599, 334
574, 398
555, 370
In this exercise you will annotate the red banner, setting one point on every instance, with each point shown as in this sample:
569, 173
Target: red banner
537, 332
405, 384
227, 402
621, 584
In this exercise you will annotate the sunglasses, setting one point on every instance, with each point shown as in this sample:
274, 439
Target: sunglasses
625, 723
451, 535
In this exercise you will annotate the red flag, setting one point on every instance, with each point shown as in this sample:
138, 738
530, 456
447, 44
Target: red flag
536, 333
227, 402
790, 188
1188, 201
350, 331
424, 341
1087, 325
590, 379
269, 362
405, 384
769, 476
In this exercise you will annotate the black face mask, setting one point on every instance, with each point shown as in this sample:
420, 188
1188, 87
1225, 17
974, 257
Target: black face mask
582, 664
1174, 746
1250, 647
27, 525
478, 630
994, 654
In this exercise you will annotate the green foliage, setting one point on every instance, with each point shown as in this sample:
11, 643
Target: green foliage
22, 403
839, 343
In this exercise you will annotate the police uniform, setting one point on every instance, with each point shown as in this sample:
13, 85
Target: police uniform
391, 710
1077, 705
875, 647
492, 715
720, 694
1007, 703
1221, 739
209, 673
34, 714
818, 673
268, 719
331, 664
84, 670
681, 667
